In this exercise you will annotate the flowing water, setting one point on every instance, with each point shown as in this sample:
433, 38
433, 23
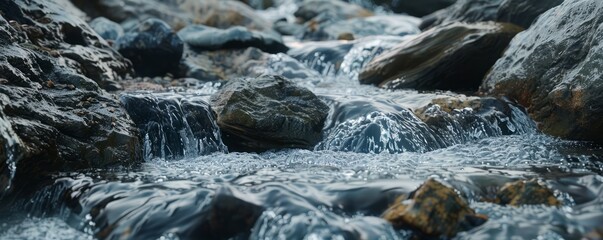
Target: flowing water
375, 148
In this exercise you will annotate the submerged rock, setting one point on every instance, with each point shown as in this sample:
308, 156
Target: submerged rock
435, 210
52, 68
526, 193
174, 126
153, 48
553, 69
268, 112
208, 38
106, 28
451, 57
519, 12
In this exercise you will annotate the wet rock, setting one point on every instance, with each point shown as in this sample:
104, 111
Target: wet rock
178, 13
174, 126
106, 28
268, 112
451, 57
329, 9
551, 69
434, 210
412, 7
324, 56
260, 4
286, 28
208, 38
54, 65
518, 12
529, 192
153, 48
395, 25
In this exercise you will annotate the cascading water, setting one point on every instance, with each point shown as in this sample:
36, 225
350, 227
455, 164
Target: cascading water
377, 145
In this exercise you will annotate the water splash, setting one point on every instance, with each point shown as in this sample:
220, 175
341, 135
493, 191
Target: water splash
174, 126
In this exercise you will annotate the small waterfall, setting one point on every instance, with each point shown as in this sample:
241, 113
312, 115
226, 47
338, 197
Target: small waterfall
10, 153
174, 126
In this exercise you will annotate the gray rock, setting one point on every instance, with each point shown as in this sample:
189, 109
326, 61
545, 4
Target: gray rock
413, 7
333, 10
106, 28
268, 112
553, 69
451, 57
395, 25
153, 48
208, 38
519, 12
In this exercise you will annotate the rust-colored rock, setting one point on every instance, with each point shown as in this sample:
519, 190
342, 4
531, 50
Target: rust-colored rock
434, 210
526, 193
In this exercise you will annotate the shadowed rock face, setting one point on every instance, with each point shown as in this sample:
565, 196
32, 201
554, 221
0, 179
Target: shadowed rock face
519, 12
153, 48
451, 57
55, 114
268, 112
553, 69
434, 210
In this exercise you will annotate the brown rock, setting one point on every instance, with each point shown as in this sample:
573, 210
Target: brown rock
434, 210
526, 193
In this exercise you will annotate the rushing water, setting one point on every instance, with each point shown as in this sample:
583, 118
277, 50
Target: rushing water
375, 148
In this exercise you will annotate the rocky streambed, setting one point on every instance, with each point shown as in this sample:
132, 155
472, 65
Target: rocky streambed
301, 119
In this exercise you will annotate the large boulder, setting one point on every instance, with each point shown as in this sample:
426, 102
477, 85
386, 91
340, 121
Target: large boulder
208, 38
519, 12
268, 112
553, 69
451, 57
53, 67
434, 210
153, 48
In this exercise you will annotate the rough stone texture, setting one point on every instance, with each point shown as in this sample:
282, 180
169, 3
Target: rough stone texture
519, 12
553, 69
435, 210
52, 68
178, 13
526, 193
451, 57
268, 112
174, 126
208, 38
153, 48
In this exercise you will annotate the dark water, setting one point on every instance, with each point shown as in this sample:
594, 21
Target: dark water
375, 148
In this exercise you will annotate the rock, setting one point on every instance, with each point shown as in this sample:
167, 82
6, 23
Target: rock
413, 7
394, 25
332, 10
323, 56
526, 193
286, 28
260, 4
551, 69
106, 28
452, 57
174, 126
153, 48
54, 65
435, 210
518, 12
208, 38
178, 13
268, 112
